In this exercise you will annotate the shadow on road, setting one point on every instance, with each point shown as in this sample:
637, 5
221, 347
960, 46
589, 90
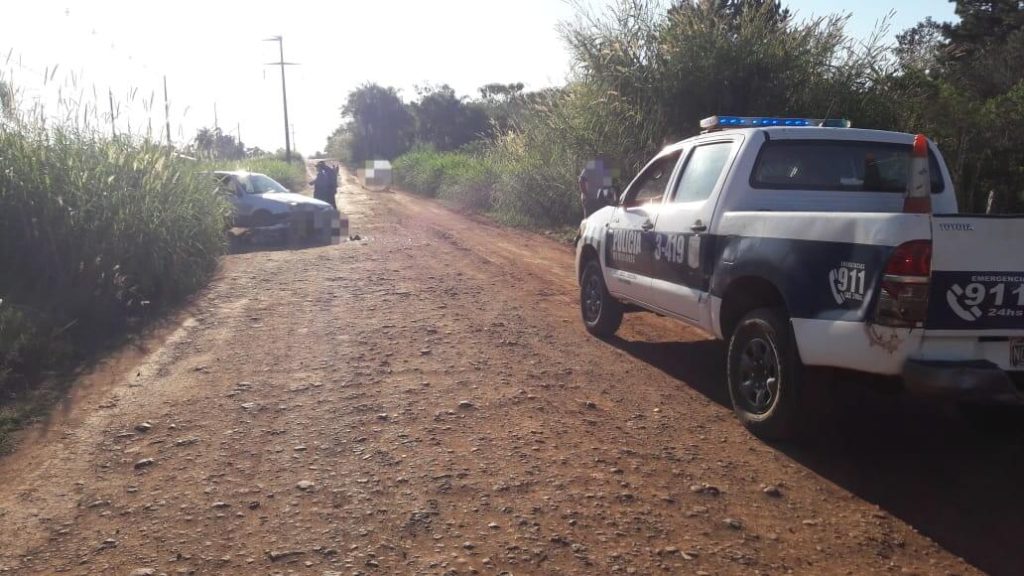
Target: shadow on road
917, 459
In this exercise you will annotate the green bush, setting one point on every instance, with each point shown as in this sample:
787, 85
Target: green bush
95, 230
464, 179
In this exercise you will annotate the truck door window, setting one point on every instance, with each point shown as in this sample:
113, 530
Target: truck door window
702, 171
649, 186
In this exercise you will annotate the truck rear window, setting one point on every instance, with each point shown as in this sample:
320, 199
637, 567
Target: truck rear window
837, 165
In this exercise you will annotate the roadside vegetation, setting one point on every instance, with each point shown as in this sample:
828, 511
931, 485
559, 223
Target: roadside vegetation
645, 75
215, 150
98, 234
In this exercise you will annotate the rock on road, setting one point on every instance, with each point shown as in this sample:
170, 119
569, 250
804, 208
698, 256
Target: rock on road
425, 401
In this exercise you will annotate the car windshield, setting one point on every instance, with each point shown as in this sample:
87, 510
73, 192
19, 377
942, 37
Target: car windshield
260, 184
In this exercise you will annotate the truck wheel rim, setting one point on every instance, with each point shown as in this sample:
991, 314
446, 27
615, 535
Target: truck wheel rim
759, 375
592, 298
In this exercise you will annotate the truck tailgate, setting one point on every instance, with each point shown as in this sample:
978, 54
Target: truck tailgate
977, 284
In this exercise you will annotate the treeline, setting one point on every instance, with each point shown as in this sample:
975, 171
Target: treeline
644, 76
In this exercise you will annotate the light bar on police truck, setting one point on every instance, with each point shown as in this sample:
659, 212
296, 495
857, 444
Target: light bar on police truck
719, 122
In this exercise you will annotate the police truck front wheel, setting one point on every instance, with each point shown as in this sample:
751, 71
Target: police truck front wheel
602, 314
765, 373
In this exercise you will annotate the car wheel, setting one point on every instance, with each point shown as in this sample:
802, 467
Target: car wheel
764, 373
602, 314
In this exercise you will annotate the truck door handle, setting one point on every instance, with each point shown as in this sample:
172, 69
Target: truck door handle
699, 226
647, 225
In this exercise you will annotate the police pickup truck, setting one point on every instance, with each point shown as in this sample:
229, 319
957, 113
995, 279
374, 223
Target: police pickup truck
808, 243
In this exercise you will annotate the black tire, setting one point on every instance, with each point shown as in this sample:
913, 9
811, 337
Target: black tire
765, 374
602, 314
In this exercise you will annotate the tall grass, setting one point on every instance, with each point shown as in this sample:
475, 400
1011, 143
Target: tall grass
94, 230
465, 179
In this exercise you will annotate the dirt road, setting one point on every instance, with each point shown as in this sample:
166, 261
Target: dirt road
424, 401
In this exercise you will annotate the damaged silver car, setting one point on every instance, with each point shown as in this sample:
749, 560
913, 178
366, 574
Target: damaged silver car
264, 209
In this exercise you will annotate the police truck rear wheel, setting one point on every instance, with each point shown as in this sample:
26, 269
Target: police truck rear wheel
764, 374
602, 314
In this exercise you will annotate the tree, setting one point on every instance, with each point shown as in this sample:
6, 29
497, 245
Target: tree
378, 122
962, 84
445, 121
733, 11
214, 144
506, 104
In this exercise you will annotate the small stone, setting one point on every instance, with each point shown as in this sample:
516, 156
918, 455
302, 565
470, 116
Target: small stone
143, 572
108, 543
466, 404
144, 463
493, 526
772, 490
705, 489
98, 503
305, 485
590, 404
382, 416
220, 505
275, 556
143, 427
468, 545
810, 522
733, 523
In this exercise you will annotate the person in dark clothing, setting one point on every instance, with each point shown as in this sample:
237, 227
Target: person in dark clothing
325, 186
596, 175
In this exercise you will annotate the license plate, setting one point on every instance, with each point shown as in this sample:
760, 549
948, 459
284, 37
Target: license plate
1017, 352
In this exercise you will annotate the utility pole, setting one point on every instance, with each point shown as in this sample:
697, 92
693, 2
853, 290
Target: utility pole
167, 112
215, 125
284, 94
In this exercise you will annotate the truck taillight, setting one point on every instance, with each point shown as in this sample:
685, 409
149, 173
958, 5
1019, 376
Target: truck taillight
903, 299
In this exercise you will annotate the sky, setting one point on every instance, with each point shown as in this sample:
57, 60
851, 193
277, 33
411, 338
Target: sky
214, 56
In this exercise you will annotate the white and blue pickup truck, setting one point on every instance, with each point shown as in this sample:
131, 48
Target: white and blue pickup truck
807, 243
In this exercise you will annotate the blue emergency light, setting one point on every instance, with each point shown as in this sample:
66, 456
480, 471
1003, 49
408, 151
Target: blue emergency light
719, 122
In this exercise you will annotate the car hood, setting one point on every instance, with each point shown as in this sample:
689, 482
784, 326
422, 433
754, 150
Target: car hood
291, 197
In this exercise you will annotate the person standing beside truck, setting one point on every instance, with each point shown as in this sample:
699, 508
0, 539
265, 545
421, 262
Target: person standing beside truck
595, 176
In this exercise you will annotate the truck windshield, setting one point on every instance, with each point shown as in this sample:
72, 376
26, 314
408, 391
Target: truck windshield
837, 165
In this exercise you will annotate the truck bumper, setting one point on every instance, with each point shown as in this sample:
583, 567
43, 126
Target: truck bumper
978, 380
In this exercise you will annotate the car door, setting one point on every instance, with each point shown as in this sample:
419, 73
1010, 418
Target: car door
682, 246
629, 237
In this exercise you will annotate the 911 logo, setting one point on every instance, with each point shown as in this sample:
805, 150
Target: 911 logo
987, 295
847, 283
